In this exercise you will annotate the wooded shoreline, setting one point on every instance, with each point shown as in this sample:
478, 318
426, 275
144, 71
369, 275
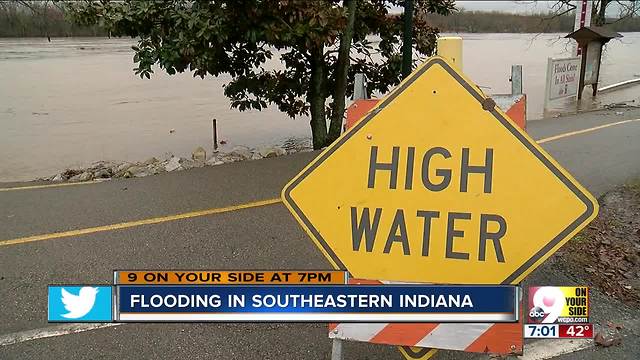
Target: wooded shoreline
19, 21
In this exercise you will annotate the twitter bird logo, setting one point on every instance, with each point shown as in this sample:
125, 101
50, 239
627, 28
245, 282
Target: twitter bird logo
80, 303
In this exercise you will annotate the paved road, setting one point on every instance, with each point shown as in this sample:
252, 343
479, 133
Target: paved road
257, 237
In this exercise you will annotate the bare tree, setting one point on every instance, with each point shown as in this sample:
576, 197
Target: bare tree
41, 10
627, 9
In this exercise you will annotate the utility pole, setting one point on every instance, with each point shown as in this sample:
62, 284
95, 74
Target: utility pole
407, 38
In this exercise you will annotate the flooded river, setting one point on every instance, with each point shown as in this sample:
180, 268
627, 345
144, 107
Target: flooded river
70, 102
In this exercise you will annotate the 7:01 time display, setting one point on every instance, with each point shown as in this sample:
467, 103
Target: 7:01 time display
558, 331
541, 331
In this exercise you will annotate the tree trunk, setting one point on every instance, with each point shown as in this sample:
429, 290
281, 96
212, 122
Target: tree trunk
601, 19
342, 70
317, 98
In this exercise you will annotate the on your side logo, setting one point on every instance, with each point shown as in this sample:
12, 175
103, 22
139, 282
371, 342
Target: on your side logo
80, 304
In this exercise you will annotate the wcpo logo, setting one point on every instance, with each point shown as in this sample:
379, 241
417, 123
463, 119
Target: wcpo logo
80, 303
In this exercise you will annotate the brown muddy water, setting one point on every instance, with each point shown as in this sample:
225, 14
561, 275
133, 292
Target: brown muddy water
73, 101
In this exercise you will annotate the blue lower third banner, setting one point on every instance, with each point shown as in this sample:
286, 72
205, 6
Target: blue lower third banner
320, 303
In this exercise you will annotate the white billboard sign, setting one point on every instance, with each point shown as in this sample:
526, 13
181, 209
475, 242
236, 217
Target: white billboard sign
563, 76
592, 63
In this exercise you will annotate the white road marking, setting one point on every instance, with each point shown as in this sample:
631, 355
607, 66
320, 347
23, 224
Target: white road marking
51, 331
548, 349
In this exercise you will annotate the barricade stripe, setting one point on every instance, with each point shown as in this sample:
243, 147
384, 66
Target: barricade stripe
398, 333
453, 336
359, 332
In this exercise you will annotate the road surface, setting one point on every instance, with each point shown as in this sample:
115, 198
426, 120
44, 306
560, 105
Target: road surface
192, 219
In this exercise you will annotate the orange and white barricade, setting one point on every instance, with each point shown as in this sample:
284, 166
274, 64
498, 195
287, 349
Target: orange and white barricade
503, 338
417, 339
494, 338
515, 106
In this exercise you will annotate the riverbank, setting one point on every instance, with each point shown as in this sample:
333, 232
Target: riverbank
200, 157
106, 170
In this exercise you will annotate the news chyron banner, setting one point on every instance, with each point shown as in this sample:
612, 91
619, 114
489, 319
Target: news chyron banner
557, 312
275, 296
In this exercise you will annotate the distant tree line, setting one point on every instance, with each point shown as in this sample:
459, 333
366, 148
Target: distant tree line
40, 19
499, 22
46, 18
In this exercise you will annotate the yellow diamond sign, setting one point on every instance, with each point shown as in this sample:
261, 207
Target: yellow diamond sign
437, 185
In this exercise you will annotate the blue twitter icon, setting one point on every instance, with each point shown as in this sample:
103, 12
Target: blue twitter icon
80, 303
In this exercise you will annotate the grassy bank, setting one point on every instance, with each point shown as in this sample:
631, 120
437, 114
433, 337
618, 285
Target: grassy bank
607, 253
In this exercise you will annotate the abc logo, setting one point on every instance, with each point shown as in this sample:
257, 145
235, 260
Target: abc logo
536, 313
546, 304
